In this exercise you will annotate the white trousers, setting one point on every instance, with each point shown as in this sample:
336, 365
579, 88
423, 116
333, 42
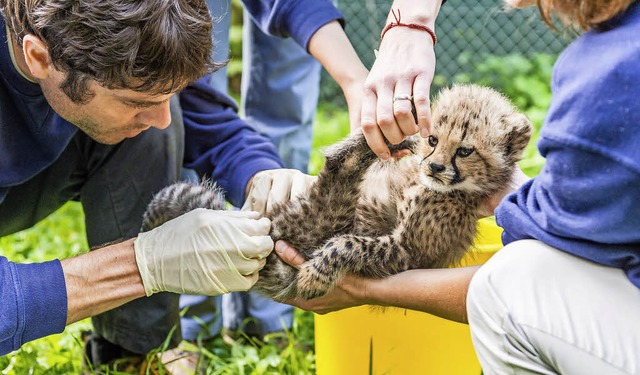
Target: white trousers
536, 310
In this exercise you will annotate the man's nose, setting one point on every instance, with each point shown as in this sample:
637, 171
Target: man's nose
158, 117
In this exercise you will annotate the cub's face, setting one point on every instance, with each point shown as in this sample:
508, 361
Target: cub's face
477, 137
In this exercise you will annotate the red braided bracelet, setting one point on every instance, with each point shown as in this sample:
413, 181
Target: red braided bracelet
409, 25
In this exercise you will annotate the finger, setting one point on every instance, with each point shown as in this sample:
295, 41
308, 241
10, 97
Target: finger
386, 119
370, 129
301, 182
247, 267
254, 215
252, 279
280, 191
259, 193
403, 108
263, 247
421, 87
288, 254
250, 226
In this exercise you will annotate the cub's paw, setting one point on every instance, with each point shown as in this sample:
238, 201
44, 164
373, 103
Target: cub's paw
350, 152
411, 145
312, 281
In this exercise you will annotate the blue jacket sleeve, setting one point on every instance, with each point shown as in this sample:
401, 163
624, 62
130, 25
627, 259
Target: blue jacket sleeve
219, 144
34, 302
298, 19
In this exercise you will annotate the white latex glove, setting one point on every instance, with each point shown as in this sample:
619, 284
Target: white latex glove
204, 252
275, 186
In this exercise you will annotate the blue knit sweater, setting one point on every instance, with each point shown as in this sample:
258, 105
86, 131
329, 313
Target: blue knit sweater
586, 200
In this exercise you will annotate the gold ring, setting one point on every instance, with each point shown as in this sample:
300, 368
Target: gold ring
402, 97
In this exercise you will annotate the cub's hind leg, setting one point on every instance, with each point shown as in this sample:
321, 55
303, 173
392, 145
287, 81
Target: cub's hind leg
375, 257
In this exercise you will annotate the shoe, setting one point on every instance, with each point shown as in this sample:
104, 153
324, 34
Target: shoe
104, 357
229, 336
184, 360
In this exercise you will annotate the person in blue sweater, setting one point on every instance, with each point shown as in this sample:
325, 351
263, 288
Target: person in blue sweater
563, 295
88, 91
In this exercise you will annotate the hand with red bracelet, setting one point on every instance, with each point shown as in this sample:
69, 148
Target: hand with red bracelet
396, 92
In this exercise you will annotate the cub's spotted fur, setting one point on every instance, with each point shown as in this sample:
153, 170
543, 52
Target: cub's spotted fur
376, 218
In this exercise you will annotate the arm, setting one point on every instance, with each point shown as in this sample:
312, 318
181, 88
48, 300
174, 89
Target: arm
414, 48
47, 296
221, 145
346, 69
101, 280
318, 27
201, 252
440, 292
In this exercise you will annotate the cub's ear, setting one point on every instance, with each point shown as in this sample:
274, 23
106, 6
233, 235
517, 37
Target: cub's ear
517, 137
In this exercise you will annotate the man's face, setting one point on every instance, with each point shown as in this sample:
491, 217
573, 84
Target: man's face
112, 114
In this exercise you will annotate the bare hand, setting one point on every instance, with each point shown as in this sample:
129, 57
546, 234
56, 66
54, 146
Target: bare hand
349, 291
403, 68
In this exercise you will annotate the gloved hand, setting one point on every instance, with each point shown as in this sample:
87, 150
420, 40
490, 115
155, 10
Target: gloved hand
275, 186
204, 252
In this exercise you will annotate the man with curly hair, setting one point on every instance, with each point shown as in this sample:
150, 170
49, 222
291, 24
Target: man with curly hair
88, 91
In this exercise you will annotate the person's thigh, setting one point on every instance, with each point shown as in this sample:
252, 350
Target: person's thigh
536, 310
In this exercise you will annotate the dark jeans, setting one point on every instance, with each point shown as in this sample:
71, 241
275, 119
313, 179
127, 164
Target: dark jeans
114, 183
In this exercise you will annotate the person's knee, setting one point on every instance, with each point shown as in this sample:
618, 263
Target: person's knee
514, 270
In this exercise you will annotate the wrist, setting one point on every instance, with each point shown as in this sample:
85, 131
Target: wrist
398, 22
101, 280
363, 291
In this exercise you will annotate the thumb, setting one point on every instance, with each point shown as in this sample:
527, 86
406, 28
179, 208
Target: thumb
288, 254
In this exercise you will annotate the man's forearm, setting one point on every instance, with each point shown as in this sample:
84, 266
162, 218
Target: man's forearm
101, 280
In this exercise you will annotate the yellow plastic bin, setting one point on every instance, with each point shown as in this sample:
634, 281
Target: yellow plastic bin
400, 341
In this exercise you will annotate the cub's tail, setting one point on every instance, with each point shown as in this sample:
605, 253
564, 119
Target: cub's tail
180, 198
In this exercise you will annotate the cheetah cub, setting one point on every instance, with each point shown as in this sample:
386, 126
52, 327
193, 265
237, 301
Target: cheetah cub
376, 218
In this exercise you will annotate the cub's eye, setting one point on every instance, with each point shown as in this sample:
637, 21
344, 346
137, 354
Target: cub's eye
463, 152
433, 141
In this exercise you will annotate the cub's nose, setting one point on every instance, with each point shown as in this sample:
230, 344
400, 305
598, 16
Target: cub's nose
436, 168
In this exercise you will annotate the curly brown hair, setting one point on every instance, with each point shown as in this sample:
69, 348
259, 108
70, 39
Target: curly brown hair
154, 46
585, 14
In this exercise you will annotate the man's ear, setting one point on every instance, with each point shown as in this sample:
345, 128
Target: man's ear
36, 55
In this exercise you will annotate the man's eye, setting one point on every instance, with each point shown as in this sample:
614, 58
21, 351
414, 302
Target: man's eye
433, 141
463, 152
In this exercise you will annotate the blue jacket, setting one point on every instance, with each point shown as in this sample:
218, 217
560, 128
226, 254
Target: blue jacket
586, 200
218, 143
